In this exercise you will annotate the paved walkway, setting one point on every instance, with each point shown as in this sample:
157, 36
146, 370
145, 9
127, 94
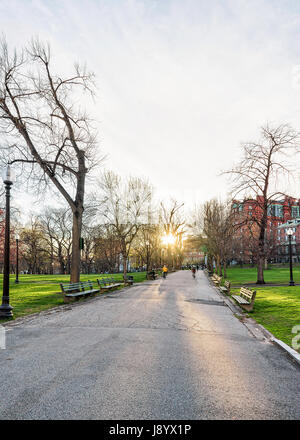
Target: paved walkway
152, 351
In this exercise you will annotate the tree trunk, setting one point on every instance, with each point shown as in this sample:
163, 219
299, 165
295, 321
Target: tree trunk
61, 260
76, 233
77, 209
68, 268
124, 255
62, 264
225, 269
260, 271
219, 267
210, 264
51, 263
261, 251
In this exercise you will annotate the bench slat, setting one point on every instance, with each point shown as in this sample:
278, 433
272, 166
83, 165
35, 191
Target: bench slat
78, 289
85, 292
108, 283
240, 299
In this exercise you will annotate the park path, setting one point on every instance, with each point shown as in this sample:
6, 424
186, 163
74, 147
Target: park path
151, 351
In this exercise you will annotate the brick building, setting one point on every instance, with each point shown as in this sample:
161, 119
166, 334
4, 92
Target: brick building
283, 241
281, 215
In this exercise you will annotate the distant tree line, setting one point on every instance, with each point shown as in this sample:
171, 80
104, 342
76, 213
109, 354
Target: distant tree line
123, 228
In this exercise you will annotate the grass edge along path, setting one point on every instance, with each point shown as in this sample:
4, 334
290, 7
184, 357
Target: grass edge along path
277, 308
36, 293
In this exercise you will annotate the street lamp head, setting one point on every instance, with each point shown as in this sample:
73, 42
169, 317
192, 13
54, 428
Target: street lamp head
8, 175
289, 231
17, 237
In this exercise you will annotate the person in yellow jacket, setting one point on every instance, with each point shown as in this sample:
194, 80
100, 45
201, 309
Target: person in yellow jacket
165, 271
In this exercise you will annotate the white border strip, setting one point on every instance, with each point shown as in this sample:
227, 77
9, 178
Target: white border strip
293, 353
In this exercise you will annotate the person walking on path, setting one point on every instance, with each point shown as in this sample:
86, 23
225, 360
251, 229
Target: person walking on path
193, 271
165, 271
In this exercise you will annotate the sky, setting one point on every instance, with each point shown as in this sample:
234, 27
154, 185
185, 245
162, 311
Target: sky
180, 84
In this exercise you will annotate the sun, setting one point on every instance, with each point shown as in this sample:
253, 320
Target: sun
168, 239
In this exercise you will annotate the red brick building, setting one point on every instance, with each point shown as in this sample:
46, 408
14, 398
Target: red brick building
281, 215
283, 241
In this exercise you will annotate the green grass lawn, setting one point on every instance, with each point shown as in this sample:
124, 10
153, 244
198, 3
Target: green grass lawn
35, 293
276, 308
276, 275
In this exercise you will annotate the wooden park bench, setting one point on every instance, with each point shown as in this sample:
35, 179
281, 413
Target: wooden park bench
246, 298
108, 283
225, 288
128, 281
151, 275
216, 279
76, 290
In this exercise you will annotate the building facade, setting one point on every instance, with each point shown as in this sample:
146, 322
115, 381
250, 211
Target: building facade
282, 214
283, 241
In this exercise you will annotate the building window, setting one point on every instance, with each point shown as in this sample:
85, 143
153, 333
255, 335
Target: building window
295, 211
278, 210
275, 210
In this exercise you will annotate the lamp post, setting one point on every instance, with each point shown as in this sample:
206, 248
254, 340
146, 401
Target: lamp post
290, 233
17, 258
6, 309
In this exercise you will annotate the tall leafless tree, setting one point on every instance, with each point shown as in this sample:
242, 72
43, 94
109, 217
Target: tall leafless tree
124, 206
47, 133
146, 245
36, 251
107, 249
258, 173
218, 228
171, 217
56, 225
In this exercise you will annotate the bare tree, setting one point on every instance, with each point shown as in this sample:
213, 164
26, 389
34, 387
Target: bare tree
48, 136
218, 228
56, 226
257, 173
173, 224
107, 249
146, 245
124, 204
35, 247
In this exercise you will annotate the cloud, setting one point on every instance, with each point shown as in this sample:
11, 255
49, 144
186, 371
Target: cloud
180, 84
